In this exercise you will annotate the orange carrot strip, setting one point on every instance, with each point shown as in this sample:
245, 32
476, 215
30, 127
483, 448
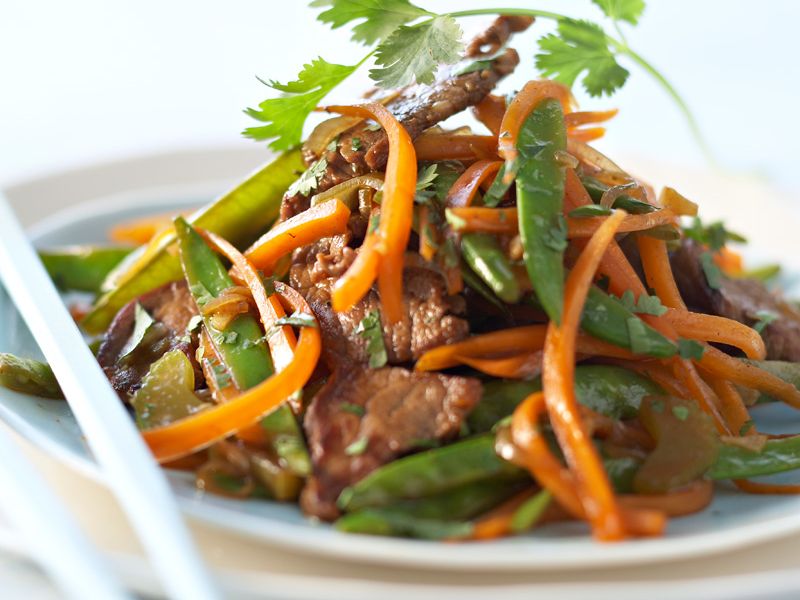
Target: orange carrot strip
358, 279
519, 366
324, 220
442, 146
490, 111
691, 499
427, 245
730, 262
711, 328
504, 221
583, 117
517, 339
497, 523
202, 429
586, 134
466, 186
733, 407
397, 208
658, 271
594, 488
754, 487
140, 231
520, 107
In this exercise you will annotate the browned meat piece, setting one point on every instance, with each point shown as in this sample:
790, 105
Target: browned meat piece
172, 307
430, 317
738, 299
401, 409
417, 107
497, 34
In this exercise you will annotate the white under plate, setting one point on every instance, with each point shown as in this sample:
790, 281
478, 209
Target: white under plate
734, 520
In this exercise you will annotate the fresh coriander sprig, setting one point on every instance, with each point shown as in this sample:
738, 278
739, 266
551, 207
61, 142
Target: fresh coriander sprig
410, 43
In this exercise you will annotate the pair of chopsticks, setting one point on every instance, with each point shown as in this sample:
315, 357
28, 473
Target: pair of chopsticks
129, 469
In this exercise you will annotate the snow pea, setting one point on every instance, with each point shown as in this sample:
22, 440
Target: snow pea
540, 194
483, 254
239, 216
627, 203
777, 456
284, 435
28, 376
82, 268
428, 473
788, 371
609, 390
382, 521
240, 346
607, 319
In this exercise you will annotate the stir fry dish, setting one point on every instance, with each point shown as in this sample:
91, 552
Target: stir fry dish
446, 333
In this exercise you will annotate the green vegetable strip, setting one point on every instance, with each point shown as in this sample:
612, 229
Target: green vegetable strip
788, 371
482, 252
777, 456
239, 346
377, 521
427, 473
627, 203
476, 283
239, 216
607, 319
28, 377
284, 435
82, 268
609, 390
540, 194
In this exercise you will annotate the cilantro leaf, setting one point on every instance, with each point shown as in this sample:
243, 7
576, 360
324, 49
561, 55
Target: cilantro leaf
425, 180
581, 48
711, 270
415, 52
381, 17
371, 329
622, 10
297, 319
284, 116
714, 235
765, 317
309, 180
690, 349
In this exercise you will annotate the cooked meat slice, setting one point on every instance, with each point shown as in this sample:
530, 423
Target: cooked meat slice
400, 409
171, 307
417, 107
738, 299
497, 34
429, 319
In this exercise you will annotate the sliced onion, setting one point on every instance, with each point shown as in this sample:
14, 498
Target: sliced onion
607, 170
327, 131
611, 194
347, 191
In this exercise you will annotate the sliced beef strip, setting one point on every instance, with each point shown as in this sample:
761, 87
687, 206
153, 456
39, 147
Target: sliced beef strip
738, 299
401, 408
417, 107
171, 307
430, 317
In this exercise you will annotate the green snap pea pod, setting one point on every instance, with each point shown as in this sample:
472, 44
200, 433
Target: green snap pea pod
627, 203
476, 283
788, 371
777, 456
239, 216
240, 346
621, 472
609, 390
540, 193
82, 268
427, 473
386, 522
28, 376
607, 319
483, 254
283, 433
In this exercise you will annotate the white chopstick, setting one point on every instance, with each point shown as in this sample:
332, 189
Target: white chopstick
55, 541
128, 466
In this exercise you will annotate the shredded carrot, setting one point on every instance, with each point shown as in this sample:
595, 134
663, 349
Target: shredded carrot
586, 134
442, 146
593, 486
711, 328
497, 522
141, 231
685, 501
583, 117
204, 428
427, 245
518, 366
358, 279
490, 111
730, 262
324, 220
520, 107
466, 186
397, 208
504, 221
733, 407
754, 487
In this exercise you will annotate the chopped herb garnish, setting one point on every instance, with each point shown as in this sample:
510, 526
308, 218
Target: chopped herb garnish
425, 180
371, 329
690, 349
201, 294
746, 426
309, 180
456, 222
765, 317
715, 235
355, 144
355, 409
680, 412
711, 270
297, 319
357, 448
142, 324
645, 305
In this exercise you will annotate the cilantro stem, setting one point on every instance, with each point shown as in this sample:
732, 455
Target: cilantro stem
622, 48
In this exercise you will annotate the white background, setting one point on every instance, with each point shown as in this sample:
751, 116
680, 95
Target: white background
89, 80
